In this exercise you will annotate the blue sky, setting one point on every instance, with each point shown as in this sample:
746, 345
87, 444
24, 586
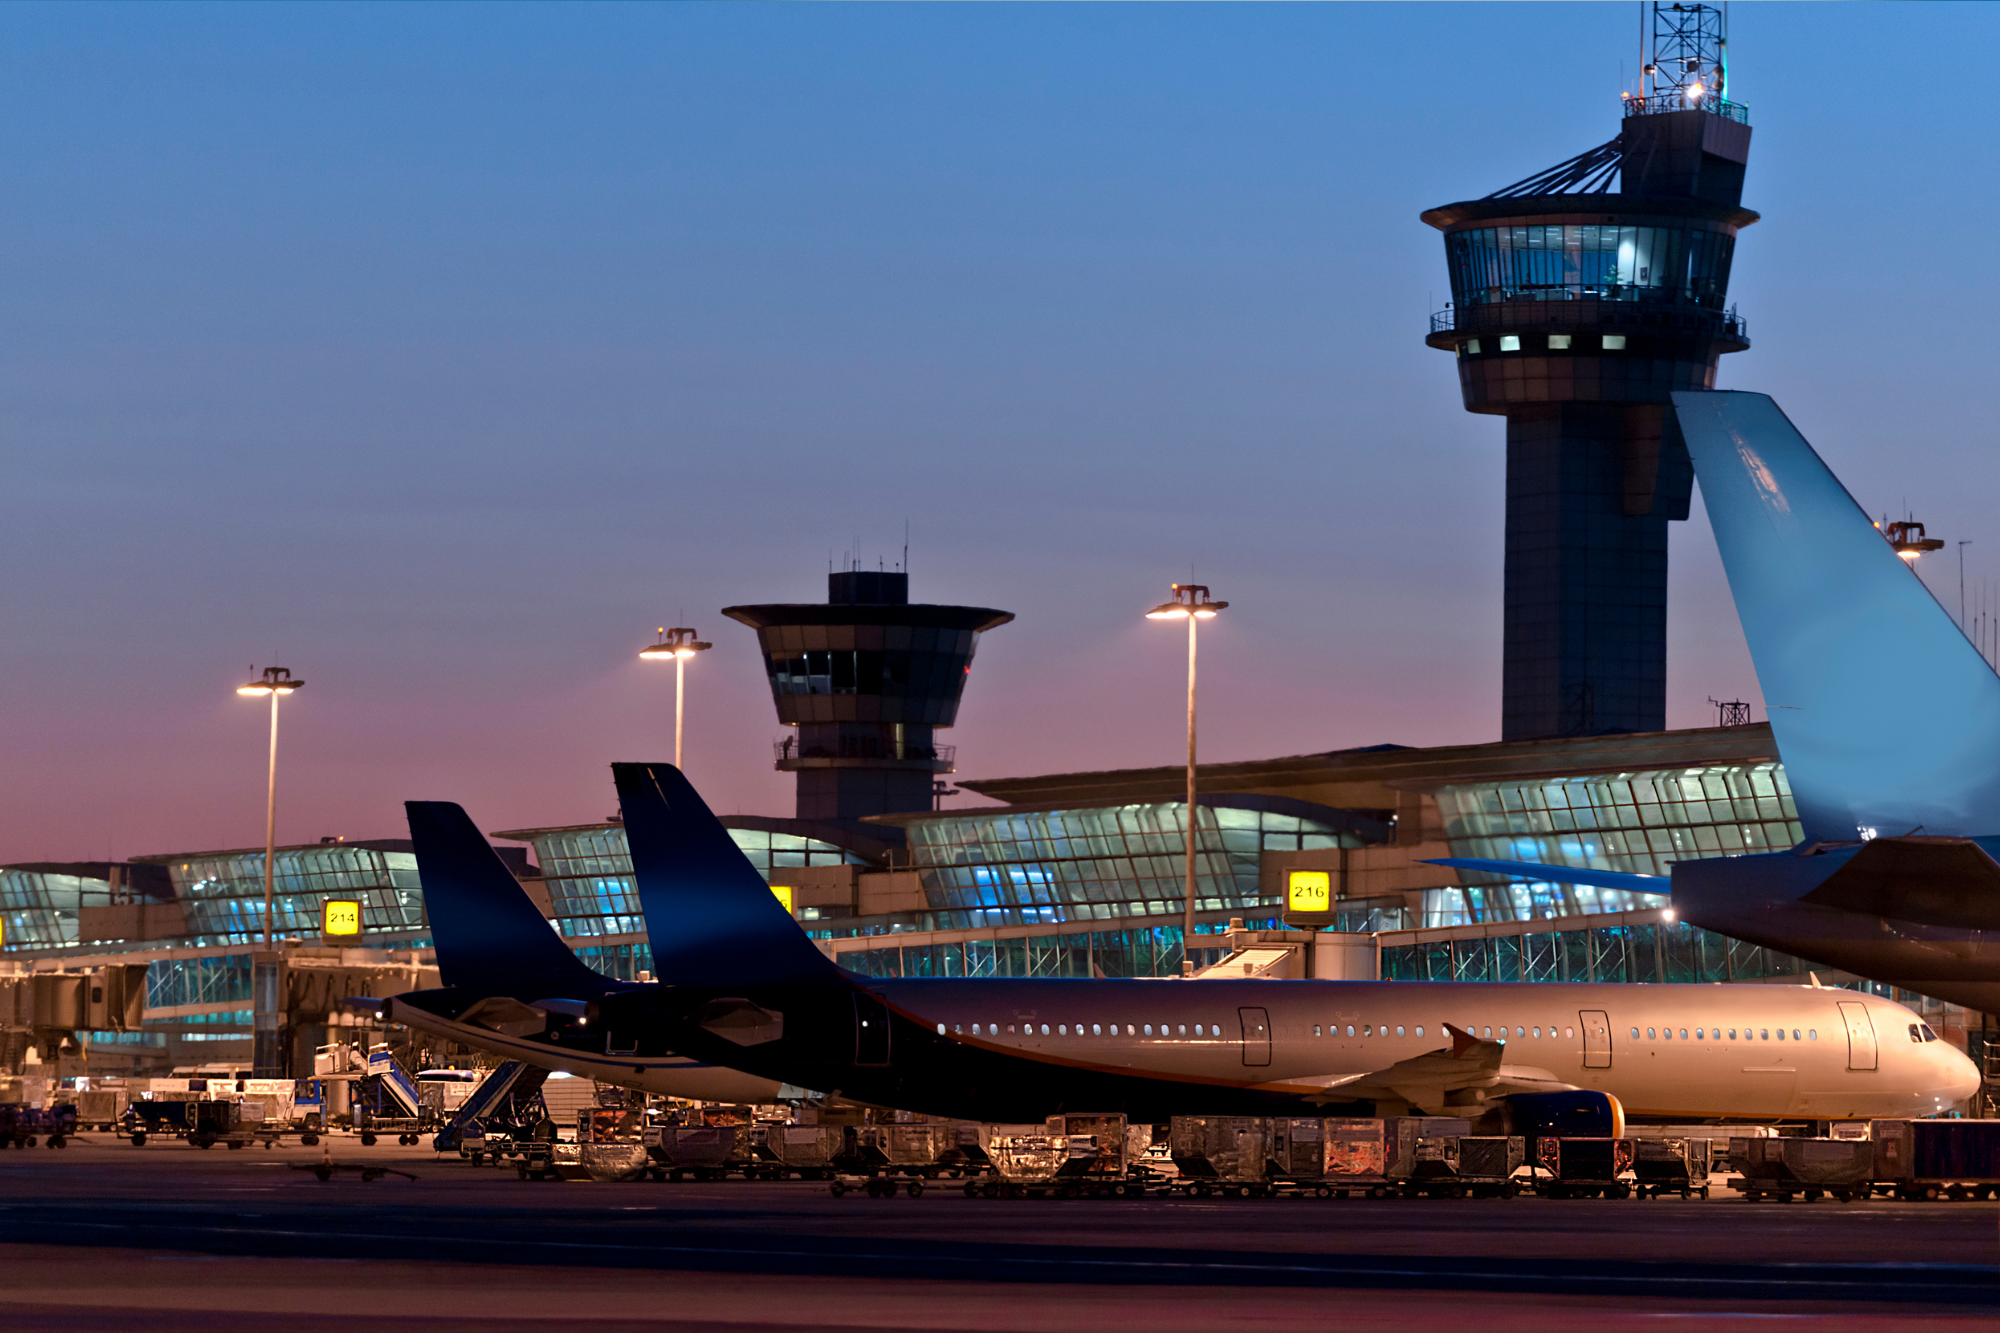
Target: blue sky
444, 351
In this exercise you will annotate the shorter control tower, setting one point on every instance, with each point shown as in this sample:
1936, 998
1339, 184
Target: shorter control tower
866, 678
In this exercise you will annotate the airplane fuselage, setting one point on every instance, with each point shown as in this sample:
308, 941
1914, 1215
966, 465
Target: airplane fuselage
1011, 1050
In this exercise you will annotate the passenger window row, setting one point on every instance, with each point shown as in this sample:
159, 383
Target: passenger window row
1096, 1029
1715, 1034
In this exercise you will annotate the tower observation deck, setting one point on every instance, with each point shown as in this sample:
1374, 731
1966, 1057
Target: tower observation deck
867, 679
1582, 297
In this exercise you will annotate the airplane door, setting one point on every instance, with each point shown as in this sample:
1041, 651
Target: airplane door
871, 1030
1256, 1036
1596, 1038
1860, 1035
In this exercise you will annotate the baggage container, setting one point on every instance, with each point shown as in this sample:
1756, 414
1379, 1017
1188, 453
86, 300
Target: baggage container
1109, 1135
1400, 1135
100, 1108
1456, 1167
1929, 1159
913, 1149
1782, 1168
705, 1152
1067, 1165
808, 1151
1220, 1151
1581, 1168
1298, 1149
1356, 1156
1670, 1166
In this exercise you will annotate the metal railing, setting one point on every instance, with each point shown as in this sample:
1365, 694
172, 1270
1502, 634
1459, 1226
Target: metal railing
1521, 315
1676, 100
788, 749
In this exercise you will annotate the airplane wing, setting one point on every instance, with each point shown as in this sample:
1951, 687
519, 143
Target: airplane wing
1602, 879
1470, 1065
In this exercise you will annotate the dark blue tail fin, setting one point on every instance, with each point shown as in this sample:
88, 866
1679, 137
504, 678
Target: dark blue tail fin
1887, 717
489, 935
712, 918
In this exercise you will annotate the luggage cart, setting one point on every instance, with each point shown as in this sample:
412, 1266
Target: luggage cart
1583, 1168
21, 1125
1221, 1154
1465, 1166
1936, 1159
1074, 1156
1356, 1158
809, 1152
1808, 1168
1670, 1166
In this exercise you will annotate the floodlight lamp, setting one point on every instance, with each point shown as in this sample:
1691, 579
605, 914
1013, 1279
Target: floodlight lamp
275, 680
1168, 611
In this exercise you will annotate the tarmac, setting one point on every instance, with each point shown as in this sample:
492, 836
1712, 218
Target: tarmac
169, 1237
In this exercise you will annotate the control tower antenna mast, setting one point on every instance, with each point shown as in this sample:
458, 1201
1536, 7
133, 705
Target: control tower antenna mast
1582, 297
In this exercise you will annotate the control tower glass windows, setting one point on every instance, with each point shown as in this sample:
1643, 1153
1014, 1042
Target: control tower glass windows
1603, 263
892, 673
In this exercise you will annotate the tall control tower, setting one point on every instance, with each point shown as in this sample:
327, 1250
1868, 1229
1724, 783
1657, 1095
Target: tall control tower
866, 678
1581, 298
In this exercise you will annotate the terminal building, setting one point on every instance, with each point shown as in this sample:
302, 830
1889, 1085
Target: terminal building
1576, 309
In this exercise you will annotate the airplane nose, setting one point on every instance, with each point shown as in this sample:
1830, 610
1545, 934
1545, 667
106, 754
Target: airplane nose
1959, 1078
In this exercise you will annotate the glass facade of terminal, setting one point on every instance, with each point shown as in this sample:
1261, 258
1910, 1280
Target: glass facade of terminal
588, 873
1009, 868
224, 894
1640, 823
1652, 951
1490, 265
38, 908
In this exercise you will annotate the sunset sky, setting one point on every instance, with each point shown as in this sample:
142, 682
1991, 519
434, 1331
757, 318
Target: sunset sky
440, 353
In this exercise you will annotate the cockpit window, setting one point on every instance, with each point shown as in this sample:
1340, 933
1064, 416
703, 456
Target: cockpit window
1928, 1034
1915, 1035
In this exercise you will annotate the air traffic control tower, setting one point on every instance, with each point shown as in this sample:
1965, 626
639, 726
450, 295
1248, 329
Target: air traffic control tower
1581, 298
867, 679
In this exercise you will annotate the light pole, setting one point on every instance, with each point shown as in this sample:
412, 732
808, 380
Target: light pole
678, 644
276, 682
1190, 603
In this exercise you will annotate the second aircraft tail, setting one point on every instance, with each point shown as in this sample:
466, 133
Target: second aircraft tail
712, 919
1887, 717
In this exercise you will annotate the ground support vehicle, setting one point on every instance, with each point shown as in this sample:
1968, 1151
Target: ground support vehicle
154, 1119
536, 1160
1789, 1168
878, 1186
22, 1125
1462, 1166
1581, 1168
1936, 1159
1670, 1166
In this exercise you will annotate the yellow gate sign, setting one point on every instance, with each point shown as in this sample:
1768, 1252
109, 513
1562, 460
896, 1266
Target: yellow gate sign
784, 893
343, 917
1309, 891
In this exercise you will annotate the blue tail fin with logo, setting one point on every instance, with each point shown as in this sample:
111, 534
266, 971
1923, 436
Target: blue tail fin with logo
712, 919
489, 934
1887, 717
